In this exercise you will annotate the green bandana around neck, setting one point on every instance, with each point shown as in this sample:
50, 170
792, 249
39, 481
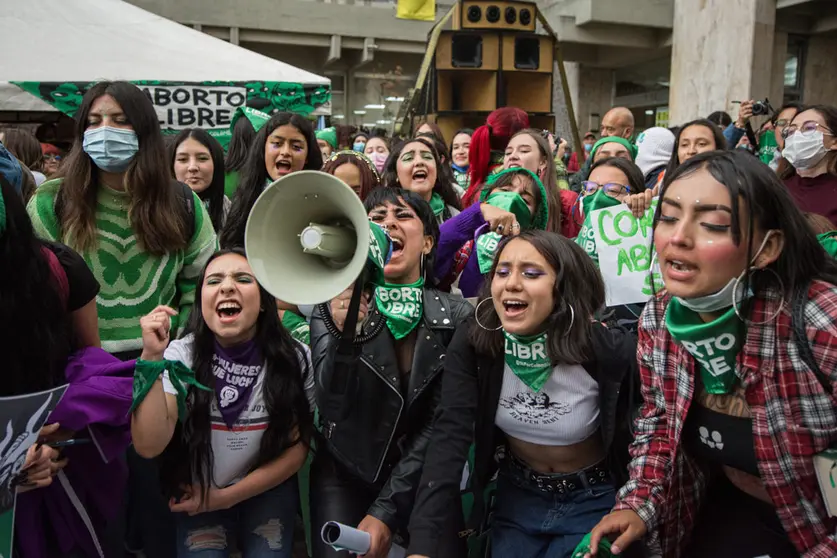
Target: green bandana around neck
146, 373
767, 146
528, 359
380, 249
402, 305
827, 240
599, 200
437, 204
714, 345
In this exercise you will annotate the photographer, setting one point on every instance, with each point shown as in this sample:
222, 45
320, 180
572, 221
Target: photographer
735, 131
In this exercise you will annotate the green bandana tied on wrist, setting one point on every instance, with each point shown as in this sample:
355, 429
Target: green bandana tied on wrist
402, 305
583, 548
146, 373
437, 204
714, 345
528, 359
487, 243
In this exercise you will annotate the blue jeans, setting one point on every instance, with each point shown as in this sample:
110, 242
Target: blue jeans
262, 527
530, 523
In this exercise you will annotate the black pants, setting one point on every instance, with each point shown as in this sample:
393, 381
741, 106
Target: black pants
338, 496
733, 524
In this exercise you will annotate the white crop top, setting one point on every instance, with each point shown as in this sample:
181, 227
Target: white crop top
564, 412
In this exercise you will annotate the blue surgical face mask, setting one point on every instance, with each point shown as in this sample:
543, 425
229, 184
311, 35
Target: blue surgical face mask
112, 149
359, 147
721, 300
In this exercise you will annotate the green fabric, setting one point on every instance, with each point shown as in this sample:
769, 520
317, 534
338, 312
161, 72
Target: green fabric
328, 135
614, 139
767, 146
437, 204
586, 239
132, 281
541, 217
181, 376
402, 305
230, 183
598, 200
528, 359
379, 251
829, 242
584, 547
513, 203
714, 345
297, 326
256, 117
486, 246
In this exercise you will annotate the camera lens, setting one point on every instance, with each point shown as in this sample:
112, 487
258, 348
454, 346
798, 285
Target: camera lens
511, 15
525, 16
474, 14
759, 108
492, 14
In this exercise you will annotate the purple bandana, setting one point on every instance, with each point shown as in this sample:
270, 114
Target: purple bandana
236, 370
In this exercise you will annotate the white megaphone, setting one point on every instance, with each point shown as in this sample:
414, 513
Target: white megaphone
307, 237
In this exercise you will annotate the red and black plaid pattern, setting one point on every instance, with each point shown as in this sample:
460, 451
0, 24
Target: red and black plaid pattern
793, 420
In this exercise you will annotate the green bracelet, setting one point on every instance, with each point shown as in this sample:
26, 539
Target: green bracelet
146, 373
584, 547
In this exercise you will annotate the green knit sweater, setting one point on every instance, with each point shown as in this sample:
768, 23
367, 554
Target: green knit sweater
132, 281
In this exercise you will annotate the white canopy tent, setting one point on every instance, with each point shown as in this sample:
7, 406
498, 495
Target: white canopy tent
84, 41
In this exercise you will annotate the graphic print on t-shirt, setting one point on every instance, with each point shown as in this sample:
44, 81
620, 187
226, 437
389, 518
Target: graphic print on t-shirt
534, 408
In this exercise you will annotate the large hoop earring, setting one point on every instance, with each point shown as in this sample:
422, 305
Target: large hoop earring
477, 316
421, 265
737, 284
572, 317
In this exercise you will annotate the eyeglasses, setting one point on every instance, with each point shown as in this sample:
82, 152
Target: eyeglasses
612, 189
807, 129
51, 157
782, 122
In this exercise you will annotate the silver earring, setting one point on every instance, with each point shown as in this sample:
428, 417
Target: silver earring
477, 316
421, 265
737, 284
572, 317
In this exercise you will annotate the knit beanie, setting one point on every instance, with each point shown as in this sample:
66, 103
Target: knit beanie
614, 139
655, 146
328, 135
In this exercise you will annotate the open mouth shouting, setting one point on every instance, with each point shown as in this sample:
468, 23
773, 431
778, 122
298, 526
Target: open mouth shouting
420, 175
514, 307
397, 247
679, 269
228, 311
283, 167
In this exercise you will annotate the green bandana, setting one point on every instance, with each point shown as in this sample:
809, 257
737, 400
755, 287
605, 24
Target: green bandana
541, 217
527, 358
437, 204
586, 239
584, 547
487, 243
257, 118
767, 146
297, 327
486, 248
714, 345
402, 305
146, 373
599, 200
827, 240
379, 251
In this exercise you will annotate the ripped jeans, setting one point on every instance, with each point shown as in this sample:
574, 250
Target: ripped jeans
261, 527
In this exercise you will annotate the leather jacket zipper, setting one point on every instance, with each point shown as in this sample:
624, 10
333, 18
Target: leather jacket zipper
397, 419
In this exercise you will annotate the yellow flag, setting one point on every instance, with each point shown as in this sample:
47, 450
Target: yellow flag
422, 10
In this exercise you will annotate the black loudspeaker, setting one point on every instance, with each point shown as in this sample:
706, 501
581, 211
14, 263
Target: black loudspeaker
527, 53
468, 50
497, 15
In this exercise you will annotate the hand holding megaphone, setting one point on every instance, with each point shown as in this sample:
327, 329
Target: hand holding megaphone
340, 307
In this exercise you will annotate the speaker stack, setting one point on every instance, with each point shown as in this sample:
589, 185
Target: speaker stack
491, 58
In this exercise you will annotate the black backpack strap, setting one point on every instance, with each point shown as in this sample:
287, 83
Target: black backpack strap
800, 336
186, 197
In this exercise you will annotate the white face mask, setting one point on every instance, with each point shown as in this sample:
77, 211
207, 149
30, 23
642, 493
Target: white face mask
805, 152
721, 300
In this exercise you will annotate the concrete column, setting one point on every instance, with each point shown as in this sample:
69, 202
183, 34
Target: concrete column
820, 74
596, 94
722, 52
777, 81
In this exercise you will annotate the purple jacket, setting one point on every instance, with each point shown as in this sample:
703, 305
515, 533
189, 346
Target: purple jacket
96, 404
453, 234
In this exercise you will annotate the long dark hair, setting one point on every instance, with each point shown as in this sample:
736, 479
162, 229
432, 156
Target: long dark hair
157, 216
769, 207
242, 138
368, 177
399, 198
213, 196
444, 184
25, 147
189, 457
254, 175
635, 179
577, 283
33, 321
549, 178
717, 134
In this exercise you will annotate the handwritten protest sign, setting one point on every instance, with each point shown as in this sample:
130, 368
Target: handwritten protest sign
21, 419
623, 243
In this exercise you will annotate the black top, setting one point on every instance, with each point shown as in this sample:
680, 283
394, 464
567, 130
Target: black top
471, 387
720, 439
82, 283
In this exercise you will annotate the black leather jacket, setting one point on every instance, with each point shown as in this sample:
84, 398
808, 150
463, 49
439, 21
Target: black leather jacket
376, 431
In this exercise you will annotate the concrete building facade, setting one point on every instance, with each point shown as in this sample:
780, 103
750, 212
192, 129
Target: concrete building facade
668, 60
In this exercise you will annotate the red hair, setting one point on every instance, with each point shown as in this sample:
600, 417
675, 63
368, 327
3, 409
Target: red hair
494, 135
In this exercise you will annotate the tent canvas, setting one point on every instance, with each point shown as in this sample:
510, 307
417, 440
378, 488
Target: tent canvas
56, 49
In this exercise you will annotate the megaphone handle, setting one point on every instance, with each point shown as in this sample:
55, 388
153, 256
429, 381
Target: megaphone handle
346, 346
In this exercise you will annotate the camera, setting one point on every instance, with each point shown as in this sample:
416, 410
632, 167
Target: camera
762, 108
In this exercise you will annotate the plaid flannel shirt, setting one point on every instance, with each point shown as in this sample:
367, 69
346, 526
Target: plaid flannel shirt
793, 420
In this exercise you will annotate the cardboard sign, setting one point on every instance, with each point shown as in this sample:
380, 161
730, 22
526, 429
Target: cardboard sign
623, 244
21, 419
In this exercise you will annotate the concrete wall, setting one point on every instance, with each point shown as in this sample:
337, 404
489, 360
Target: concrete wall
820, 75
